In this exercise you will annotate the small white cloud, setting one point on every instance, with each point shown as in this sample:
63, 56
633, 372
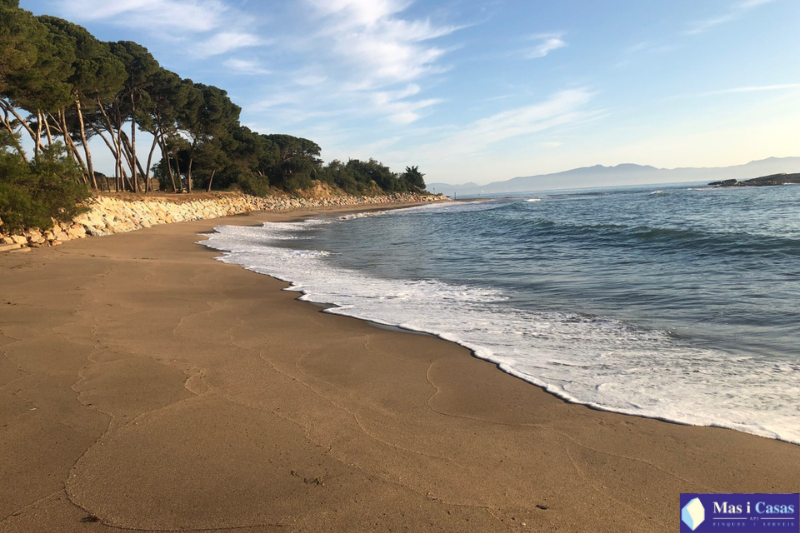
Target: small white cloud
224, 42
551, 144
245, 66
549, 42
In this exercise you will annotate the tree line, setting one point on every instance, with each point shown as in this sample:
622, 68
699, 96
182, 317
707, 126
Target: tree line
62, 87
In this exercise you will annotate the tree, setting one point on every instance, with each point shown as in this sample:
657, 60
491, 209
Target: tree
34, 67
413, 179
140, 66
96, 75
168, 96
208, 114
298, 161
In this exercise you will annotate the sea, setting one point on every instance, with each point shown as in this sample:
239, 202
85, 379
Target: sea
677, 302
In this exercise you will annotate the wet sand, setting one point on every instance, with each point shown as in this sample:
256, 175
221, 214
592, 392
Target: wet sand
145, 386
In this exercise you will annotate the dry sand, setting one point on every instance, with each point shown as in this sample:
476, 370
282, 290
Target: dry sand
145, 386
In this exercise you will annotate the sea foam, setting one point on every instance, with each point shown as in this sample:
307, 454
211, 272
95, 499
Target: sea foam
596, 361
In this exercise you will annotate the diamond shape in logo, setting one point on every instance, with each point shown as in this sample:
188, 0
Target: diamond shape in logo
693, 514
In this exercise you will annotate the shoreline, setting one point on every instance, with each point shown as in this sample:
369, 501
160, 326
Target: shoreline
154, 388
351, 302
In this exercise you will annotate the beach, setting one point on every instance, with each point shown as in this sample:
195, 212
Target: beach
145, 386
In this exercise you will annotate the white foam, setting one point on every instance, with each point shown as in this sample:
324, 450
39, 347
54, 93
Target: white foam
595, 361
533, 200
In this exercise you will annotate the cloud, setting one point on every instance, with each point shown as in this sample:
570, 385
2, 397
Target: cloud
400, 110
753, 89
372, 39
734, 12
564, 107
224, 42
549, 42
203, 24
179, 15
370, 59
245, 66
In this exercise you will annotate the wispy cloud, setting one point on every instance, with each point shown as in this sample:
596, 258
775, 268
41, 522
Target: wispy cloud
547, 43
224, 42
564, 107
734, 12
371, 37
753, 89
245, 66
203, 23
370, 59
401, 110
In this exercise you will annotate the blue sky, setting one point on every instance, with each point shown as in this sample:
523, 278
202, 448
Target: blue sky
488, 90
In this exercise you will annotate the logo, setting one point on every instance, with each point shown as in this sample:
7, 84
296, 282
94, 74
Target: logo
693, 514
744, 513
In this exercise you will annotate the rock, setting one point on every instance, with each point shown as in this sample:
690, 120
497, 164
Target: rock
9, 247
76, 232
19, 239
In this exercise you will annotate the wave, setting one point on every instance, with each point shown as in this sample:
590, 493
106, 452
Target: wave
597, 361
665, 239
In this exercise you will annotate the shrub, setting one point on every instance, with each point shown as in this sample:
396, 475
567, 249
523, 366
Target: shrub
253, 184
32, 194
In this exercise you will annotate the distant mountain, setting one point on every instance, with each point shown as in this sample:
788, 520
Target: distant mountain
625, 174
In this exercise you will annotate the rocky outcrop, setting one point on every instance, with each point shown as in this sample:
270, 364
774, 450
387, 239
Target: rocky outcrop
108, 215
774, 179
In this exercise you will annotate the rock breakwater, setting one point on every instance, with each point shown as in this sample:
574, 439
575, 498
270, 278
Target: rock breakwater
108, 215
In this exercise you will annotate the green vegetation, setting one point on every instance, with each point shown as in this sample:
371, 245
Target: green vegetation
62, 87
31, 194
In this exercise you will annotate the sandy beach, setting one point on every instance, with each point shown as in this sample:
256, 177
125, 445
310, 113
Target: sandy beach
145, 386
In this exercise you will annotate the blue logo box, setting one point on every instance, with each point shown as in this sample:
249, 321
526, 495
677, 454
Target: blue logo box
743, 513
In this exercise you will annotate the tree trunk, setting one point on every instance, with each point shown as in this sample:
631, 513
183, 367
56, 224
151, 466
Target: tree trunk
89, 166
189, 175
177, 168
211, 180
165, 156
108, 144
117, 154
191, 161
47, 129
38, 141
149, 162
129, 154
17, 145
71, 145
6, 106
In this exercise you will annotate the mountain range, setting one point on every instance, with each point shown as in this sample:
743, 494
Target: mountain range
620, 175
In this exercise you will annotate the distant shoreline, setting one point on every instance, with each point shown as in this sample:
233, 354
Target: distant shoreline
764, 181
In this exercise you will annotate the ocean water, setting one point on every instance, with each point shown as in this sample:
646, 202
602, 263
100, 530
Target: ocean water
679, 303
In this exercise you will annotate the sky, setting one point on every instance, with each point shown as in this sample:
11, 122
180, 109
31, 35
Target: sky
482, 91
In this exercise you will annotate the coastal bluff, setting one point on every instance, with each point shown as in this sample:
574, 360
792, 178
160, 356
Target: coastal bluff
109, 214
763, 181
